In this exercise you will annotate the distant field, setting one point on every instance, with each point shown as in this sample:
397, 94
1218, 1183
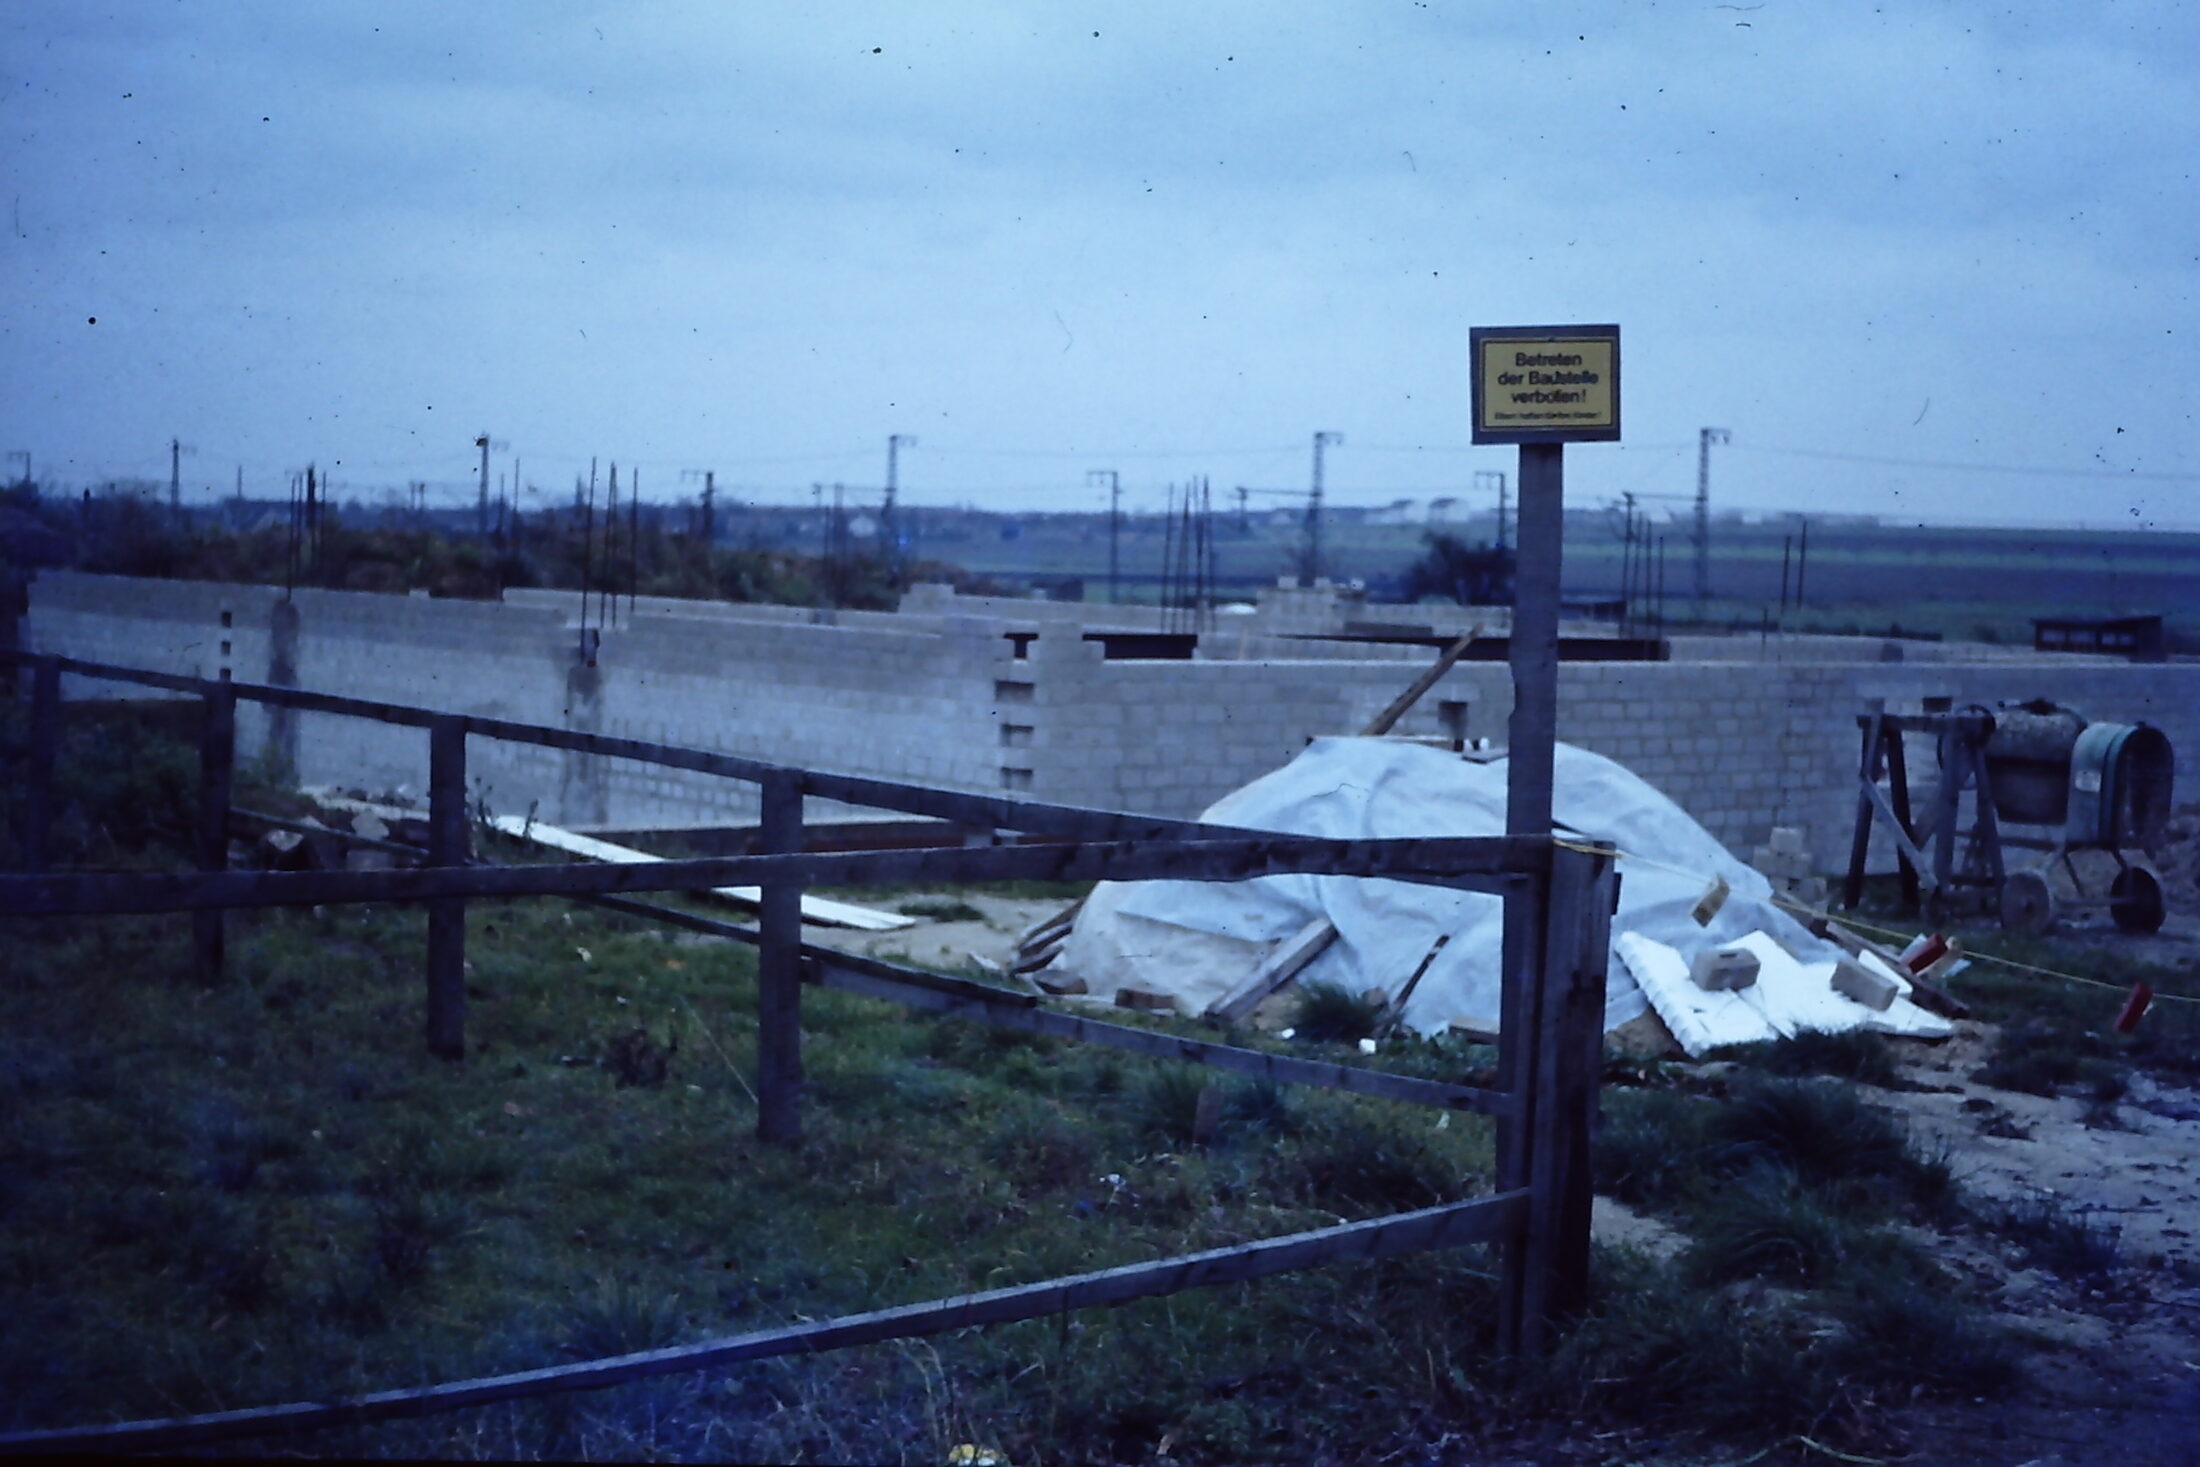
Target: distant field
1960, 581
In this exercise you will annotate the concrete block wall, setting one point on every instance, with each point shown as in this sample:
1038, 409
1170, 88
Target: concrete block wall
475, 657
942, 698
883, 698
1170, 738
896, 704
1741, 748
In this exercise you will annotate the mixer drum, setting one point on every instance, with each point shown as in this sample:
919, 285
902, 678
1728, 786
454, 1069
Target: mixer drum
2107, 785
2028, 757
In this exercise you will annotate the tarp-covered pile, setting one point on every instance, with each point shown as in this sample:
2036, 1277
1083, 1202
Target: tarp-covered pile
1196, 941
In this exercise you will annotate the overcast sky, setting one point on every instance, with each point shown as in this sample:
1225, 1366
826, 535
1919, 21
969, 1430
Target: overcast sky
1162, 238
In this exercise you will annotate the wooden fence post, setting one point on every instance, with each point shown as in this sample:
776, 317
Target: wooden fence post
1530, 772
1553, 1272
447, 915
779, 971
217, 764
45, 748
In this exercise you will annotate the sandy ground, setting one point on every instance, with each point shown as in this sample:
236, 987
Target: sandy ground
933, 943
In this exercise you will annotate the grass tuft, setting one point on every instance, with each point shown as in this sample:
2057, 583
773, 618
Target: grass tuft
940, 909
1847, 1054
1332, 1013
1769, 1225
2064, 1238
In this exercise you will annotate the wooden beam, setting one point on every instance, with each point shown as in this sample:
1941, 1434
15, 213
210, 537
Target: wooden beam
447, 842
1280, 966
217, 769
850, 974
1401, 705
43, 752
814, 909
1451, 1225
1530, 764
217, 765
1874, 728
1465, 863
779, 973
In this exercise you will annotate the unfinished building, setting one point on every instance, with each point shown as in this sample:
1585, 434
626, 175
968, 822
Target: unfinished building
1068, 702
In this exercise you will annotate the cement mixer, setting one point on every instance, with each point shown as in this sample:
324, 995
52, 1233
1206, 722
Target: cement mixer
2041, 778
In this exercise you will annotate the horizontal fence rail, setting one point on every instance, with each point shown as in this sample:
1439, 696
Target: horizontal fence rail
1034, 817
1479, 863
1558, 902
1452, 1225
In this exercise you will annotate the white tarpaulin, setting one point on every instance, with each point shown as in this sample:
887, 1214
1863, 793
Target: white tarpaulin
1197, 940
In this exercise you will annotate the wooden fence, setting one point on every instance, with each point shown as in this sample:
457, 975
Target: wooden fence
1558, 899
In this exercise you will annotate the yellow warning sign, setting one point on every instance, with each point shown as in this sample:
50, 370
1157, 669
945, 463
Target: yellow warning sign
1545, 384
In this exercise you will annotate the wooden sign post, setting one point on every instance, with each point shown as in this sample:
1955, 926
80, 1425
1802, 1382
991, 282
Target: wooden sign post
1540, 387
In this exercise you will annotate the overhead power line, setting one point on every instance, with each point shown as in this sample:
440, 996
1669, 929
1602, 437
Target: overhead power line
2031, 470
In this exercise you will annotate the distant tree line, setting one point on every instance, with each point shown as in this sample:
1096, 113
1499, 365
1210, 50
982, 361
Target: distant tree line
130, 531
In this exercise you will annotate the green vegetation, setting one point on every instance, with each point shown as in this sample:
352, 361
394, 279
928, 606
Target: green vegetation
131, 533
1848, 1054
268, 1191
940, 909
1798, 1184
2062, 1238
1332, 1013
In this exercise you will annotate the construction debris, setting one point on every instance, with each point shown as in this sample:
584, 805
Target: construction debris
1723, 969
1870, 987
816, 910
1281, 966
373, 821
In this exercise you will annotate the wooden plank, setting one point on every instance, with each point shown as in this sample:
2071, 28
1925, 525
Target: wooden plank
982, 811
1462, 863
1013, 1009
1386, 720
1395, 1010
849, 974
779, 973
1875, 725
817, 910
1552, 1278
1898, 790
1280, 966
1451, 1225
44, 749
1897, 832
446, 1012
144, 677
217, 769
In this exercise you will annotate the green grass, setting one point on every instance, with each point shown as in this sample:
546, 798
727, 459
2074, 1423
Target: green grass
1332, 1013
1849, 1054
266, 1190
940, 909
